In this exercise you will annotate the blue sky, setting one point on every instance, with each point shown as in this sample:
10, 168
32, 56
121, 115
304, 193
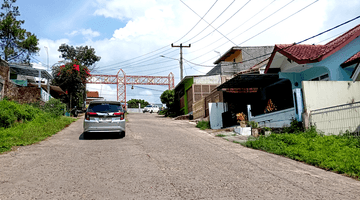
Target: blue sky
122, 31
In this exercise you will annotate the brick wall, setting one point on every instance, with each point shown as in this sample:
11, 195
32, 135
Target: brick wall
13, 92
4, 78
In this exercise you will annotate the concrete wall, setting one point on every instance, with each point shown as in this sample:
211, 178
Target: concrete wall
208, 80
248, 53
337, 119
322, 94
276, 119
332, 106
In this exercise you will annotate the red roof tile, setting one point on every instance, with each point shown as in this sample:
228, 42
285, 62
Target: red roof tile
92, 94
352, 60
305, 53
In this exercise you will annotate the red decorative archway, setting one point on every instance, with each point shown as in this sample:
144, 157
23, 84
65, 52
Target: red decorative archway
121, 80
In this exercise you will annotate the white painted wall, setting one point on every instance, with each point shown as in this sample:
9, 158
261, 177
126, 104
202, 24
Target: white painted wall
323, 94
208, 80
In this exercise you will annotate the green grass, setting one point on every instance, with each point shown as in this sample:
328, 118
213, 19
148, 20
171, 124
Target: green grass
336, 153
220, 135
203, 125
31, 132
23, 124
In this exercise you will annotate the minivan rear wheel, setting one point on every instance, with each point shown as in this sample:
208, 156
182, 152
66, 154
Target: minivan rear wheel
122, 134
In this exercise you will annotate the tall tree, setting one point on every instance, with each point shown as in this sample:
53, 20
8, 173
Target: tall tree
134, 103
16, 43
168, 98
71, 77
85, 55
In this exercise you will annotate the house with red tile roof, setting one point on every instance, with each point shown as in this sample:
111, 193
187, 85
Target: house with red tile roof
91, 96
337, 60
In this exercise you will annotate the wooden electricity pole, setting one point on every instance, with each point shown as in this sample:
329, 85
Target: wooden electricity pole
181, 58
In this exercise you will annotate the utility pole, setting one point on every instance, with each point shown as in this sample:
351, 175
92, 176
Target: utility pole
181, 58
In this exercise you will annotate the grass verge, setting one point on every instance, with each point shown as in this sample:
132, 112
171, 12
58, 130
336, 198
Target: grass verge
203, 125
220, 135
340, 154
30, 132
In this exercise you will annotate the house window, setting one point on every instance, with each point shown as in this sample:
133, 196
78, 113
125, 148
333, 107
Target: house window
324, 77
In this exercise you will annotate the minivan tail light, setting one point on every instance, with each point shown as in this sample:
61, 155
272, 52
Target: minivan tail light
88, 114
121, 114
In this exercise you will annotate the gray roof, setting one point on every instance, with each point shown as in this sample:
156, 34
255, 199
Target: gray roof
29, 71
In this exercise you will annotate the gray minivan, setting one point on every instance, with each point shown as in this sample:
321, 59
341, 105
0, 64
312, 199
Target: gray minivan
105, 116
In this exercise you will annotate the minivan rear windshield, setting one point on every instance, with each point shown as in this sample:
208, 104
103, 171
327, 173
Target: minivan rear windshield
104, 107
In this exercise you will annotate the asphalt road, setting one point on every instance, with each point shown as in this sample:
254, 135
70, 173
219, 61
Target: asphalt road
160, 158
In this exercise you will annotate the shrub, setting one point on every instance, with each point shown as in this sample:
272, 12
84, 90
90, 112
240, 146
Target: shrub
253, 124
295, 127
203, 125
54, 107
267, 129
12, 112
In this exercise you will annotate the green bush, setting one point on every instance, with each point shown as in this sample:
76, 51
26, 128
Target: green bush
203, 125
162, 112
43, 126
55, 107
253, 124
295, 127
12, 112
336, 153
267, 129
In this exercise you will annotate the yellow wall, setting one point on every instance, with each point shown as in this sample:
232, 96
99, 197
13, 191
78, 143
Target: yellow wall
237, 56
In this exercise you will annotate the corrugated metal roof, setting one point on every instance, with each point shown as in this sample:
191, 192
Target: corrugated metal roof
29, 71
250, 81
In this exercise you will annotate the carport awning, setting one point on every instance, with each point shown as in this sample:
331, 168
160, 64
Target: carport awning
250, 81
29, 71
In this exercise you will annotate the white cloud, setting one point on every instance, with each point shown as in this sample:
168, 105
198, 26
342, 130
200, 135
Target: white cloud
52, 50
152, 24
123, 9
146, 92
106, 91
87, 33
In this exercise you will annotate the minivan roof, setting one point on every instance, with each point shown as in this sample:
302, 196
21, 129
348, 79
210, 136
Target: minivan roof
110, 102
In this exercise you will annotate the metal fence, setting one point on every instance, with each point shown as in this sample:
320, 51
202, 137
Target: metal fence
337, 119
44, 95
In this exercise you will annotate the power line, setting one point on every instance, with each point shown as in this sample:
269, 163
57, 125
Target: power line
261, 31
212, 21
222, 23
167, 45
280, 21
148, 88
296, 43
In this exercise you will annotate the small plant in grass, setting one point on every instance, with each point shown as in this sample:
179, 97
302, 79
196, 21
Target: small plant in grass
266, 129
295, 127
221, 135
253, 124
203, 125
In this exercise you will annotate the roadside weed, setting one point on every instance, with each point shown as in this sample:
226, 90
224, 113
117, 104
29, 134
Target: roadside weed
337, 153
203, 125
221, 135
